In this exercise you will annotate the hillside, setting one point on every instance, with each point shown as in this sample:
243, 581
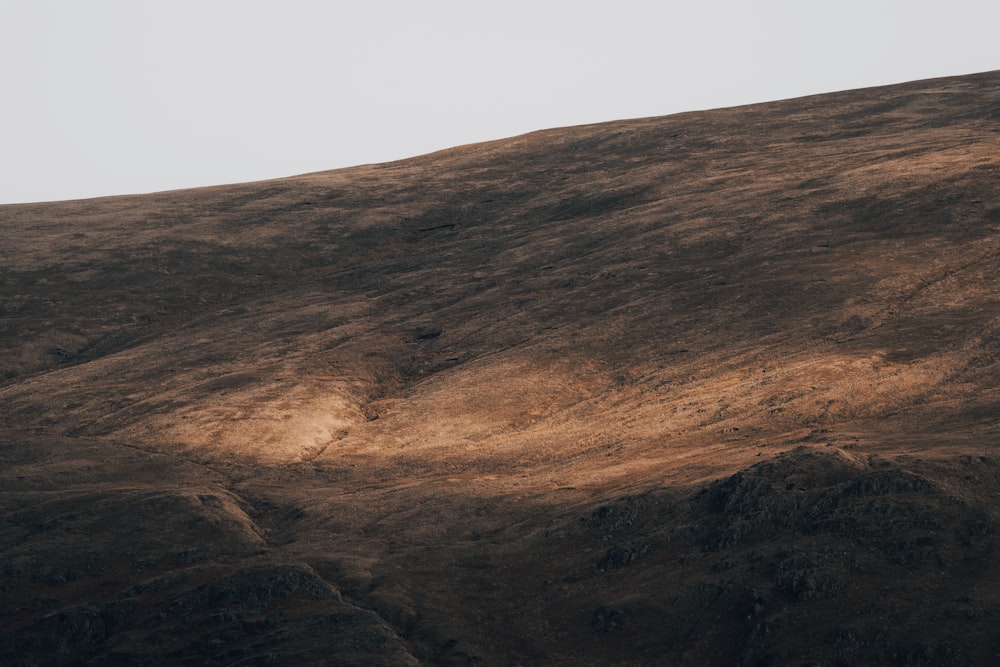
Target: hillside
707, 389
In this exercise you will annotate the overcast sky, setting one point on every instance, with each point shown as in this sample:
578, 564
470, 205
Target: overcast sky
102, 97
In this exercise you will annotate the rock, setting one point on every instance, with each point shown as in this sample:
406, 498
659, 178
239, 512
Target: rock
607, 620
618, 557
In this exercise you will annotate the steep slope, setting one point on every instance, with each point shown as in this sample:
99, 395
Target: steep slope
711, 388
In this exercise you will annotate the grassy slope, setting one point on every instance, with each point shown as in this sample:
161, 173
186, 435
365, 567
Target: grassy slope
498, 394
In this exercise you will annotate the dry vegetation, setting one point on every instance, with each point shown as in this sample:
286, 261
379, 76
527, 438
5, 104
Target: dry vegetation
714, 388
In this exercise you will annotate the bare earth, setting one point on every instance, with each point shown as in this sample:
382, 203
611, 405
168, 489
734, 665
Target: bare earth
719, 388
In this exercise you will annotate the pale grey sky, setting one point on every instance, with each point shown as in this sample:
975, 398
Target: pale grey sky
104, 97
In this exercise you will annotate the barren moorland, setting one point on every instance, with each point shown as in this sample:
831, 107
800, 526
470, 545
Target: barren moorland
717, 388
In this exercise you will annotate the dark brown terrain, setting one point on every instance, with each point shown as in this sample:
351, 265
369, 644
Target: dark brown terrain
718, 388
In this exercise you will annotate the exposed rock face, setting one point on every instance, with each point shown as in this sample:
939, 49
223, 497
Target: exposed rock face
710, 389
